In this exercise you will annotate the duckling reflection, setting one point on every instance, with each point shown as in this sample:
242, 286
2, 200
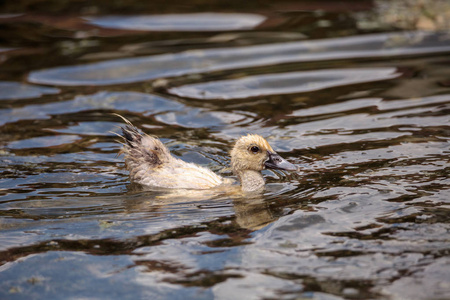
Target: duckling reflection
150, 163
251, 212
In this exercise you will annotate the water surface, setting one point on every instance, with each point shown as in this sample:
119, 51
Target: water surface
363, 112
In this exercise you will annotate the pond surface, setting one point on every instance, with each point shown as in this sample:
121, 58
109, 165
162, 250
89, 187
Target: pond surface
360, 104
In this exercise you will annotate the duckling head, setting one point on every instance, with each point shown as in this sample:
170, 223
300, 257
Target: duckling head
253, 152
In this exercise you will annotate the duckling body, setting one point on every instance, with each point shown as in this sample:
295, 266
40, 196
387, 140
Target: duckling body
150, 163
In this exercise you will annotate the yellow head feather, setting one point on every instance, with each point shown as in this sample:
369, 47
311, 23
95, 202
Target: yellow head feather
242, 158
258, 140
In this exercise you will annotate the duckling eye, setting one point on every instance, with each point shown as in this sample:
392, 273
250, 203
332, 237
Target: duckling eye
254, 149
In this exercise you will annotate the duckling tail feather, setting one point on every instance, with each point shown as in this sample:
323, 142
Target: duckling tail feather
131, 135
141, 148
142, 152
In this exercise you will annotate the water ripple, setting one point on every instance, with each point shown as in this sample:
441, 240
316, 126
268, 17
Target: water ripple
144, 103
180, 22
198, 61
10, 90
364, 217
284, 83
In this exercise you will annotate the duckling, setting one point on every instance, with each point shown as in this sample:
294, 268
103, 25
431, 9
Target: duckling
150, 163
250, 155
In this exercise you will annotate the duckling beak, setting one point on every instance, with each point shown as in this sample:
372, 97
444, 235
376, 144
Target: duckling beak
277, 162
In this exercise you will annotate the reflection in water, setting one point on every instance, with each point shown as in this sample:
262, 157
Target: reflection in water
252, 213
365, 116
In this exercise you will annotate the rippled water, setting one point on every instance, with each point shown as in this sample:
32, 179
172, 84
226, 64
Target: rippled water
363, 113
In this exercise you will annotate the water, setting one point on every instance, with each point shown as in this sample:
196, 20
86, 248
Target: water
362, 110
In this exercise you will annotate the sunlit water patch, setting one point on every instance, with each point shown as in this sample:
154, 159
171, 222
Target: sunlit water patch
103, 217
89, 128
10, 90
180, 22
41, 142
367, 103
198, 118
198, 61
121, 101
284, 83
388, 122
3, 49
92, 267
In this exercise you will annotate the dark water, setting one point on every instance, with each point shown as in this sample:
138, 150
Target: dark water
364, 112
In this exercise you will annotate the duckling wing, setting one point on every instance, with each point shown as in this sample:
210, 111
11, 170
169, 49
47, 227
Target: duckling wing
179, 174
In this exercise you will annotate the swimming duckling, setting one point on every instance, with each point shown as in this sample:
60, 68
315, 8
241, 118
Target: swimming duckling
150, 163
